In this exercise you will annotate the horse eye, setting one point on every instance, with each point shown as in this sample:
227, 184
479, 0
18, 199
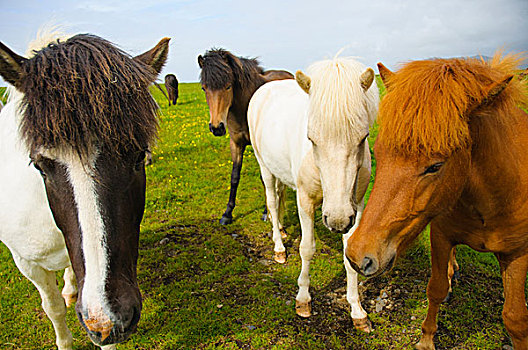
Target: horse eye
433, 168
203, 89
228, 87
364, 138
140, 159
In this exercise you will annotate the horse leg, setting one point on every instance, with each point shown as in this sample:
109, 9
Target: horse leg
281, 191
453, 273
515, 314
52, 302
358, 314
437, 287
272, 201
306, 210
265, 211
69, 292
237, 155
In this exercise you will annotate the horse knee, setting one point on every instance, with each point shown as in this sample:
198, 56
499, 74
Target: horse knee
437, 293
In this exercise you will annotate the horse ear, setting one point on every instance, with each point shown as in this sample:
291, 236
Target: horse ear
303, 80
155, 57
495, 89
367, 78
385, 74
200, 61
11, 65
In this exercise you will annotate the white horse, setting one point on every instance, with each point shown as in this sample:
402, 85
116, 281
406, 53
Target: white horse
310, 134
45, 183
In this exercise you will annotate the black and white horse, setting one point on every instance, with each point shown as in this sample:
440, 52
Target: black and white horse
73, 138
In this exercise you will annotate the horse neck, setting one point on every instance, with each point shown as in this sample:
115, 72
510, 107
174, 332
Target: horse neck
499, 161
242, 95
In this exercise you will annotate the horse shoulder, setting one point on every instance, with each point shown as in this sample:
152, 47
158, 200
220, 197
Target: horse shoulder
23, 197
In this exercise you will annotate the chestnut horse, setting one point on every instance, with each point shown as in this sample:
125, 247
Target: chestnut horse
311, 135
229, 82
451, 152
74, 133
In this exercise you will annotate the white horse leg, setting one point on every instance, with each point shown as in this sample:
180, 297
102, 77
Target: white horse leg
306, 249
69, 292
272, 201
281, 191
359, 316
52, 302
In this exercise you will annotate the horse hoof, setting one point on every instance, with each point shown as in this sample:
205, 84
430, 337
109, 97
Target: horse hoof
448, 296
264, 217
362, 324
280, 257
283, 233
225, 220
69, 299
303, 309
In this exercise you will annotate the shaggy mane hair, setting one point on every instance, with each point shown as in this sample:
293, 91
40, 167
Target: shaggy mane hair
85, 92
428, 103
221, 67
339, 107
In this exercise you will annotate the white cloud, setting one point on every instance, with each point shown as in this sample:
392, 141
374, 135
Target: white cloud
284, 34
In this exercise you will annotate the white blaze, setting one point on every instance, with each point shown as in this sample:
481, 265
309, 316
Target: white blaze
92, 233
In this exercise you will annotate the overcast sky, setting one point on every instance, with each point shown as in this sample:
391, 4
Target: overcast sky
282, 34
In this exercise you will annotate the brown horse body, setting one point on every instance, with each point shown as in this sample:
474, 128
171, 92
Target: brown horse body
229, 82
171, 84
451, 152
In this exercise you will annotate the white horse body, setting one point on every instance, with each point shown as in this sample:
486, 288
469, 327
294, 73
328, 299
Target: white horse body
279, 137
28, 228
284, 134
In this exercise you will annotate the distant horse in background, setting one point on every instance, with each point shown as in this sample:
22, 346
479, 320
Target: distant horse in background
171, 84
229, 82
85, 128
451, 152
315, 141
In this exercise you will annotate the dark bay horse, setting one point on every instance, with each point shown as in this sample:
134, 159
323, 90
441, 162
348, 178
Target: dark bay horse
74, 133
229, 82
451, 152
171, 84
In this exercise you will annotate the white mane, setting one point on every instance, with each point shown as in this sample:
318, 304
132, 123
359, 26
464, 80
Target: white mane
339, 107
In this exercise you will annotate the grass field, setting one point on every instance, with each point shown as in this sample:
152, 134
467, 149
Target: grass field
206, 286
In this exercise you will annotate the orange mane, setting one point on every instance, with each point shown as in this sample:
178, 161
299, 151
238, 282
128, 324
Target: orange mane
427, 106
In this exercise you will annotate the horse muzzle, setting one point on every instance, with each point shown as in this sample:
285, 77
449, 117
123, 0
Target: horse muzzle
102, 330
339, 225
220, 130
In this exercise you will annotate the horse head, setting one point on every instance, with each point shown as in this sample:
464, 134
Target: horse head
87, 136
338, 125
423, 155
222, 73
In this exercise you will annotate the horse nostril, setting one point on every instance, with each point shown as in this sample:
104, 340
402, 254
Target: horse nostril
352, 222
369, 266
210, 127
221, 125
325, 220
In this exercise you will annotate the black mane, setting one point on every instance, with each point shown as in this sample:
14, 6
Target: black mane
84, 92
221, 67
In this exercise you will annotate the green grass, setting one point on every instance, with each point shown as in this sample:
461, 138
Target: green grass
212, 287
